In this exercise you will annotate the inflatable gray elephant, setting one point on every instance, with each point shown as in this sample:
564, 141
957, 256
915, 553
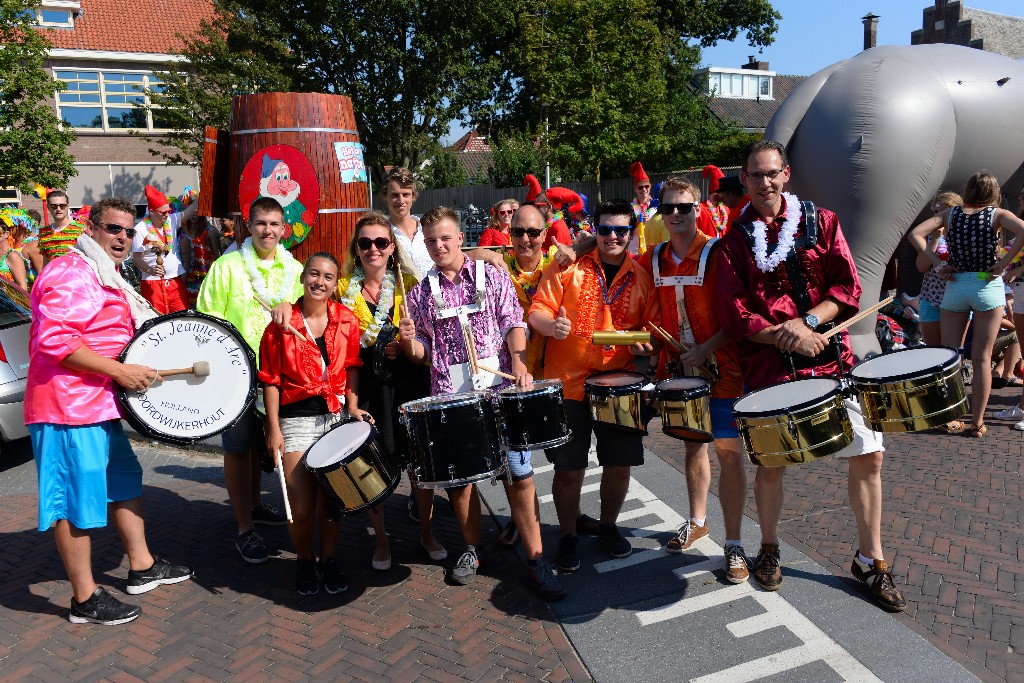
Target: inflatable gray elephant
875, 136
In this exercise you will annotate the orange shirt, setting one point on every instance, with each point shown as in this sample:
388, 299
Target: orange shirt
578, 289
700, 301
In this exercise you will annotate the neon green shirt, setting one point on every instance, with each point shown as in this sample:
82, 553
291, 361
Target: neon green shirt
227, 292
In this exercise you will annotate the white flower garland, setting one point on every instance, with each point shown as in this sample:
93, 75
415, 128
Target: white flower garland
794, 213
291, 274
387, 298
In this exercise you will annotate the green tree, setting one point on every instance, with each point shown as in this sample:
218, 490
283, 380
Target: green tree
443, 170
512, 158
33, 144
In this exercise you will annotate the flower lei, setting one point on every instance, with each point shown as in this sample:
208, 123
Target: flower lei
643, 215
387, 298
166, 235
794, 213
291, 273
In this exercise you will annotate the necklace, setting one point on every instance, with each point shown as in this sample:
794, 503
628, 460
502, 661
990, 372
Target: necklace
284, 289
384, 302
165, 234
794, 213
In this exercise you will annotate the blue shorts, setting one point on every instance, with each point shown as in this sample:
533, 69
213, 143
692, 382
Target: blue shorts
928, 313
723, 424
966, 292
81, 468
520, 466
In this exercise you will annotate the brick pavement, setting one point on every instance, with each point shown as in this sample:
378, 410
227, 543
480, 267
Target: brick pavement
951, 525
245, 622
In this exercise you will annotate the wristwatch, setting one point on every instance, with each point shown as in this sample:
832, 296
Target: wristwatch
811, 321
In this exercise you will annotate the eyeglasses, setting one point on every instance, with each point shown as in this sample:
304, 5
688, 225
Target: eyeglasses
506, 212
619, 230
770, 175
57, 207
682, 207
116, 229
643, 187
534, 233
381, 243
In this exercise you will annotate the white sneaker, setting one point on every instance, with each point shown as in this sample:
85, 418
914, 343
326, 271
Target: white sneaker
1019, 426
1013, 413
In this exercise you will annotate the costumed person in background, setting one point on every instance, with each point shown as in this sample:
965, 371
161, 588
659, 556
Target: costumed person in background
13, 266
603, 291
731, 196
199, 248
498, 335
566, 203
24, 235
83, 315
58, 237
265, 268
387, 379
558, 231
774, 322
157, 252
309, 387
642, 208
684, 271
496, 232
579, 219
714, 219
234, 233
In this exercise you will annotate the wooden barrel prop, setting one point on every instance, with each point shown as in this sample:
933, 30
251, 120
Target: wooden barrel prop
303, 150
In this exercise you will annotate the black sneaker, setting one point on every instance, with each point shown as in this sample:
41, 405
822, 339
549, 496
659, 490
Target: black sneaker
568, 559
586, 526
414, 509
613, 541
333, 579
464, 572
545, 581
306, 580
161, 573
102, 608
252, 547
268, 516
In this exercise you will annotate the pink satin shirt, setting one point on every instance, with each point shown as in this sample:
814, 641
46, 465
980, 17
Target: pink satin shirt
70, 308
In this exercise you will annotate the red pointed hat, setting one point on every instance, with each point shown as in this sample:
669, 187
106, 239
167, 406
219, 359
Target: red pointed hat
560, 196
533, 184
638, 172
155, 198
715, 174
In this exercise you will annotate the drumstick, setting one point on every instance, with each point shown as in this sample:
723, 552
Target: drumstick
860, 316
470, 348
284, 488
199, 369
287, 325
499, 373
666, 336
401, 280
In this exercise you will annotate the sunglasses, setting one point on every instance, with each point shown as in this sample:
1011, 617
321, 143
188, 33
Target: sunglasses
619, 230
381, 243
643, 187
57, 207
507, 212
682, 207
116, 229
534, 233
542, 205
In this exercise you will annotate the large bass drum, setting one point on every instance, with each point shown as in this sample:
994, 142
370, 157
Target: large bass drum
183, 409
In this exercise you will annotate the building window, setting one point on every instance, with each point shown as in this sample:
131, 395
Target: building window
52, 18
739, 86
106, 100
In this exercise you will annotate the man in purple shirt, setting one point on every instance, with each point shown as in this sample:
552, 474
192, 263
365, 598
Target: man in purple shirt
457, 291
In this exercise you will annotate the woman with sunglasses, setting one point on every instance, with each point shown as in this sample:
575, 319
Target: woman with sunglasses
387, 379
496, 234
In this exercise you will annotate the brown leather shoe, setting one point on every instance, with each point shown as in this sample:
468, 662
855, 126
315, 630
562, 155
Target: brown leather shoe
767, 568
736, 570
879, 579
688, 534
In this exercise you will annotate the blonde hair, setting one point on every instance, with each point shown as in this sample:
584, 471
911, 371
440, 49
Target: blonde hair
982, 190
679, 184
493, 222
946, 200
400, 256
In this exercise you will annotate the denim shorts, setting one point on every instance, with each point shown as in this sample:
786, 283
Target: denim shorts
928, 313
520, 465
723, 423
82, 468
300, 432
967, 292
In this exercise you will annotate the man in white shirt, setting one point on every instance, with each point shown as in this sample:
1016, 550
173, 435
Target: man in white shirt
399, 194
155, 253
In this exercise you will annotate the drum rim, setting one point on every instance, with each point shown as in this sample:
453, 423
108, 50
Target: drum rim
370, 436
914, 374
464, 398
614, 389
121, 394
547, 386
699, 391
838, 390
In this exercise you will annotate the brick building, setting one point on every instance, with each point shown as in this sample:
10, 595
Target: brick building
953, 23
107, 52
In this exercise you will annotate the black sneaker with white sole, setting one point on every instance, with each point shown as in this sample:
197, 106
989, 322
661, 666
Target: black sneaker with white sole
102, 608
333, 579
161, 573
268, 515
307, 582
251, 547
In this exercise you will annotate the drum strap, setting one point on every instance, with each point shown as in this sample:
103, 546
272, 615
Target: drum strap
461, 312
681, 282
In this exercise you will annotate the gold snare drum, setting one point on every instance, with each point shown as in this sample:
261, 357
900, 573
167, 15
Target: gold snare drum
686, 408
353, 467
911, 390
794, 422
616, 400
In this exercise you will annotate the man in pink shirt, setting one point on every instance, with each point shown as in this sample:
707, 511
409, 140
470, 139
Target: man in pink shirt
83, 314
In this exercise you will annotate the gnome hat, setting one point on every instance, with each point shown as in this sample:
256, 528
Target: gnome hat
531, 182
268, 166
560, 196
715, 174
155, 198
638, 173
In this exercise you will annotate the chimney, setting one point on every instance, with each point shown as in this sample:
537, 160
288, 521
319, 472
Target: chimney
870, 30
754, 65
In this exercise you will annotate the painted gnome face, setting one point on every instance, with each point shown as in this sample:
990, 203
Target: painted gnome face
278, 184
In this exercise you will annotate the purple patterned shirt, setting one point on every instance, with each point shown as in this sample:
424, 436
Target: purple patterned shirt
442, 338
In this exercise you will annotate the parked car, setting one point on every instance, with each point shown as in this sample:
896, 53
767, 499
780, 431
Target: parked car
15, 318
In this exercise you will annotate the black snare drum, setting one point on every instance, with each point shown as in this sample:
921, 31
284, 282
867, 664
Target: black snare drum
615, 398
534, 418
353, 467
453, 440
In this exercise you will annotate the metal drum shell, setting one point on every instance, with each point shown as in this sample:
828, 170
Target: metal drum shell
912, 401
362, 479
621, 406
797, 434
685, 412
534, 413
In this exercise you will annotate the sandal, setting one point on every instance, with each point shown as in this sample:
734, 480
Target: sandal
954, 427
977, 431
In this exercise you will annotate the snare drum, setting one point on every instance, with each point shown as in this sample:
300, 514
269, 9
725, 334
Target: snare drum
353, 467
616, 400
686, 408
183, 409
534, 418
911, 389
793, 422
453, 440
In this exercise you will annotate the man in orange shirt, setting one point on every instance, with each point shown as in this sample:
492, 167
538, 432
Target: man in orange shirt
684, 272
598, 291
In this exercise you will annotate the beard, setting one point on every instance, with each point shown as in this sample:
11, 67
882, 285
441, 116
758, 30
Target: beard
284, 200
